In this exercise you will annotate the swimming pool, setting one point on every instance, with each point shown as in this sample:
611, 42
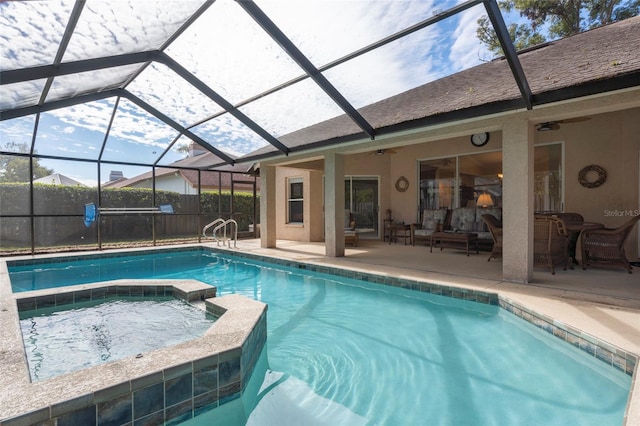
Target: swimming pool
344, 351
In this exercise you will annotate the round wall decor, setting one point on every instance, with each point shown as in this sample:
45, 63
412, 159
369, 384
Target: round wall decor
402, 184
588, 173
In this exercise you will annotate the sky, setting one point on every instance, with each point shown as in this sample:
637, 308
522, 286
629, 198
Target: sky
228, 51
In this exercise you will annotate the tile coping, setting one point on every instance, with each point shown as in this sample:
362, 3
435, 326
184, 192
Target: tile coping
24, 402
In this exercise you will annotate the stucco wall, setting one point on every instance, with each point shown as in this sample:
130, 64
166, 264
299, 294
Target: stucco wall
312, 228
610, 140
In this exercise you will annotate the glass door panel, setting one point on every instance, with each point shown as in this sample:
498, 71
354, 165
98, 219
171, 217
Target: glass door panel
437, 183
361, 199
547, 188
481, 180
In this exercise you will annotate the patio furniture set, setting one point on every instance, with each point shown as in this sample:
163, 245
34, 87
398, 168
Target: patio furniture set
556, 236
461, 228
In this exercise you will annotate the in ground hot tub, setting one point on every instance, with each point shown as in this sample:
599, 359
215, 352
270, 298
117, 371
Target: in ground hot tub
71, 337
170, 384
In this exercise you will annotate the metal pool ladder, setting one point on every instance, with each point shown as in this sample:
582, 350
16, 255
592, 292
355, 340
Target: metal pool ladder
221, 225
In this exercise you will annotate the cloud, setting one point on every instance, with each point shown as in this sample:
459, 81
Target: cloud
232, 54
31, 32
467, 50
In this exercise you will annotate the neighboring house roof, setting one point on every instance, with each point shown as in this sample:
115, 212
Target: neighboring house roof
595, 61
208, 179
58, 179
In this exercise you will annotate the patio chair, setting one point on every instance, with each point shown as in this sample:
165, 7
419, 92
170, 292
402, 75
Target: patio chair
606, 246
550, 243
495, 227
350, 231
568, 219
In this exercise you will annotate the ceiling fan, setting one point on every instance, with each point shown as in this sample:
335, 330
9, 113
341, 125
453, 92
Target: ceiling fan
555, 125
383, 151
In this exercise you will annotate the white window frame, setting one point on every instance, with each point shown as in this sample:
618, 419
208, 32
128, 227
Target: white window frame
291, 199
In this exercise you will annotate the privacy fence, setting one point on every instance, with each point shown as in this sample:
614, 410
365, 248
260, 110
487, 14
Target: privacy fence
52, 218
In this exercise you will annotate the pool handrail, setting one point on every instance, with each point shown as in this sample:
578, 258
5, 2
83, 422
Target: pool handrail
222, 224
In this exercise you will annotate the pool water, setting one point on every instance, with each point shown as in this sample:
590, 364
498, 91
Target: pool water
59, 341
342, 351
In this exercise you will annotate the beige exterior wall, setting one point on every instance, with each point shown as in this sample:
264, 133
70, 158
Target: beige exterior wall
610, 140
312, 227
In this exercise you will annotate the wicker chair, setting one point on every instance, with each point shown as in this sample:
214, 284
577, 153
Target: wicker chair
495, 227
571, 218
550, 243
606, 246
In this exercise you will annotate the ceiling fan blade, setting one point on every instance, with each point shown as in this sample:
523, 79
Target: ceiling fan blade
549, 125
574, 120
383, 151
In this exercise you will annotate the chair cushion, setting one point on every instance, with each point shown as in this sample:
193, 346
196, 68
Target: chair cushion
423, 232
430, 224
439, 215
464, 219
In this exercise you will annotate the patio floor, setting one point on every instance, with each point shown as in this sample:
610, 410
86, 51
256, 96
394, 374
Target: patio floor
604, 302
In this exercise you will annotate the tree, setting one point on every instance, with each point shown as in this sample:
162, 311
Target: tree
559, 18
15, 168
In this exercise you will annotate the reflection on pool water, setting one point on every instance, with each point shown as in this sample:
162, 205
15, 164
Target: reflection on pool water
59, 341
342, 351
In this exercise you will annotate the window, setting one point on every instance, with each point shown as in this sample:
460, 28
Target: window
459, 181
437, 183
480, 179
295, 201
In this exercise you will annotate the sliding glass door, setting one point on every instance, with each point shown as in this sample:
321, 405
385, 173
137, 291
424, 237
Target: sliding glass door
476, 180
547, 188
361, 199
461, 181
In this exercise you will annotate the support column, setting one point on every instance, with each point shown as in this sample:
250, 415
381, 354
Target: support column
334, 205
518, 206
267, 206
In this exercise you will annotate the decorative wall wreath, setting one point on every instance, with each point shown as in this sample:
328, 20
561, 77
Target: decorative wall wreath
402, 184
583, 176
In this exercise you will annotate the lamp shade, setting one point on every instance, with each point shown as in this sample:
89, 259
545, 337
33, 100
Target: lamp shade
484, 200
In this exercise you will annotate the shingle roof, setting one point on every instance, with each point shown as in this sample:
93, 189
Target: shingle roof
591, 62
207, 180
58, 179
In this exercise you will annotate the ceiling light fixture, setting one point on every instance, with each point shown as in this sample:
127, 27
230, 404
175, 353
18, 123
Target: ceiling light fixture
544, 127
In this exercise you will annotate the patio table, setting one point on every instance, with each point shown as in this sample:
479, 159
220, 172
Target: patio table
399, 230
575, 230
457, 240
